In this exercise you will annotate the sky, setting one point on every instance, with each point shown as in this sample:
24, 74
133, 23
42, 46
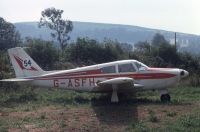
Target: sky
172, 15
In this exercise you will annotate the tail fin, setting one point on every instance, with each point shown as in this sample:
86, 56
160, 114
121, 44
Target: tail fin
23, 64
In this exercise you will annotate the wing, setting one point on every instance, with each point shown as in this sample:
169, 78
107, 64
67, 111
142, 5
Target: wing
123, 84
118, 80
16, 80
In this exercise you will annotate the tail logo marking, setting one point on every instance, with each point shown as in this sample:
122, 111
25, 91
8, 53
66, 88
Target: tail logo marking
27, 63
24, 64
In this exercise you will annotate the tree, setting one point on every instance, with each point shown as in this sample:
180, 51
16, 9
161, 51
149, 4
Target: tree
52, 19
85, 51
158, 40
112, 50
42, 52
143, 47
189, 62
160, 53
89, 51
142, 52
9, 37
168, 54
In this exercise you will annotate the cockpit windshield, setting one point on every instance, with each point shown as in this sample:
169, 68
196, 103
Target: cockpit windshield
141, 66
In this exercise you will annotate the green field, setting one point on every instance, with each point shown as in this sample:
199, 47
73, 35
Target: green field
34, 109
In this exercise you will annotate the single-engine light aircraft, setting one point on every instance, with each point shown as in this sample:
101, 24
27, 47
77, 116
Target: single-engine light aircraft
123, 76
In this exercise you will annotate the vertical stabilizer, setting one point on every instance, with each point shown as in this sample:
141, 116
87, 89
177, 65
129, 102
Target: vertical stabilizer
23, 64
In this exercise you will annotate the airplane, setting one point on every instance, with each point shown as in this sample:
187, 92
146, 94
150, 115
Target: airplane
124, 76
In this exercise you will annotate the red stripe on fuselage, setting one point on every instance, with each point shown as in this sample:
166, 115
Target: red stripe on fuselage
134, 76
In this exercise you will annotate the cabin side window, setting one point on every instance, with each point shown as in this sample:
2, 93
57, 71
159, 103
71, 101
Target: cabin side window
126, 68
108, 69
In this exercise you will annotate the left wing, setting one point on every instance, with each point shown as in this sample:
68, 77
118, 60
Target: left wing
122, 83
115, 85
118, 80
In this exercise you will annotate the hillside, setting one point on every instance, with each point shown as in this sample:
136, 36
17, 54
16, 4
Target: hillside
122, 33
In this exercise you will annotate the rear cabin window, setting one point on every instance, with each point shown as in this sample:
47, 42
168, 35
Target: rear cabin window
126, 68
108, 69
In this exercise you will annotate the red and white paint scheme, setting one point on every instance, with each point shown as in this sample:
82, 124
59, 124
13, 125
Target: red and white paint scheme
114, 77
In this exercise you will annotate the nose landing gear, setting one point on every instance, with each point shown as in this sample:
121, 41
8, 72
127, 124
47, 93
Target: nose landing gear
164, 96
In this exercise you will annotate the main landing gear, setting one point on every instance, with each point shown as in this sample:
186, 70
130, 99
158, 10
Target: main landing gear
114, 97
164, 96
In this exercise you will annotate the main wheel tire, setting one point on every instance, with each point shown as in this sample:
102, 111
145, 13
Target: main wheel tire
165, 98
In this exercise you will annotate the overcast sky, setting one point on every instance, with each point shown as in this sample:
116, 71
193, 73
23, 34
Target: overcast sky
172, 15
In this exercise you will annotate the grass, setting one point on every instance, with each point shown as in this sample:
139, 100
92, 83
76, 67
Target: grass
171, 114
186, 94
185, 123
137, 127
152, 116
62, 123
44, 108
188, 122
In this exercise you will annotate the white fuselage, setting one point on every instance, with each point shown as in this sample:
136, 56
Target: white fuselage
86, 78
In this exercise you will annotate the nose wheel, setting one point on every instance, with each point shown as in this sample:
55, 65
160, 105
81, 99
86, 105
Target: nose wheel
165, 98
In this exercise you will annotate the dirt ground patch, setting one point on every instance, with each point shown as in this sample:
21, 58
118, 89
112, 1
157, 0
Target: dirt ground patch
108, 117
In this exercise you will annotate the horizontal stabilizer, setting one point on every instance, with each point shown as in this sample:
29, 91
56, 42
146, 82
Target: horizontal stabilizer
16, 80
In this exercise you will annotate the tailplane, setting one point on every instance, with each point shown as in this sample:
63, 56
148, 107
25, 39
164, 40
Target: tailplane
23, 64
